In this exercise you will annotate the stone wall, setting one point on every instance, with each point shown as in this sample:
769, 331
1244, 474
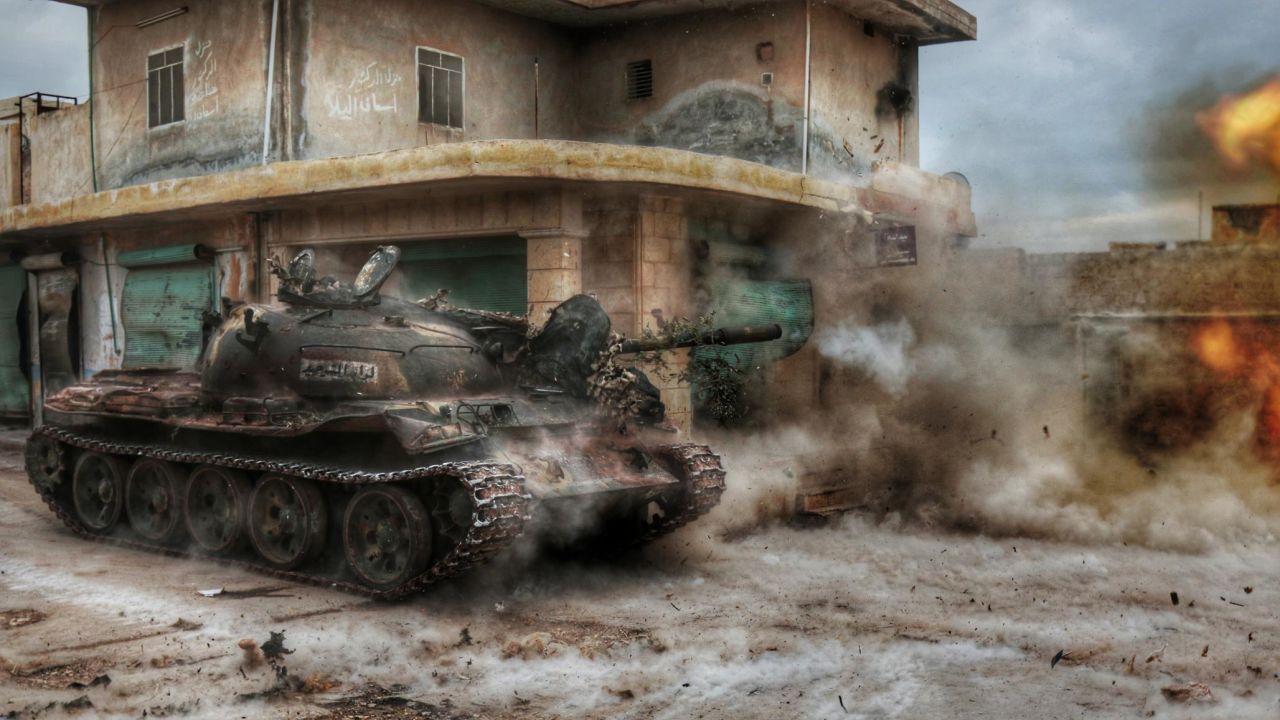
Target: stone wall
224, 89
60, 166
356, 86
10, 172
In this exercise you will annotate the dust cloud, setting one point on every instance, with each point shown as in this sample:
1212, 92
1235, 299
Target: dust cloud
939, 413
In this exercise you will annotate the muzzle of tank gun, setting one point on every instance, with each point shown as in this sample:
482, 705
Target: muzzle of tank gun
737, 335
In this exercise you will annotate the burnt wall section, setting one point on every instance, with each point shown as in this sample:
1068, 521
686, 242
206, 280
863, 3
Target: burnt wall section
724, 119
224, 56
708, 93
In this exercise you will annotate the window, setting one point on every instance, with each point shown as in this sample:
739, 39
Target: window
440, 77
164, 88
639, 79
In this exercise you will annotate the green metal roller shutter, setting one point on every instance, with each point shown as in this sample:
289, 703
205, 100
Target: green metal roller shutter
739, 302
480, 273
14, 391
163, 307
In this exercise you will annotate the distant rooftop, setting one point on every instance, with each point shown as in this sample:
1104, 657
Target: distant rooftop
928, 21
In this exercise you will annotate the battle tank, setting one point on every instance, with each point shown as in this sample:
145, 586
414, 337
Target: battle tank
360, 441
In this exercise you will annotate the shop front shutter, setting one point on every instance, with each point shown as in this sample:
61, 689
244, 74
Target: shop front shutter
480, 273
754, 302
14, 389
163, 305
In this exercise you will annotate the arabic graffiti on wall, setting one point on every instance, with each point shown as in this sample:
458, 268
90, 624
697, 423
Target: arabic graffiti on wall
202, 100
371, 90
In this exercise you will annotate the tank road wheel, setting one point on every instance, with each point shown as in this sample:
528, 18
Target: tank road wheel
153, 500
215, 508
387, 535
451, 510
287, 520
97, 490
46, 462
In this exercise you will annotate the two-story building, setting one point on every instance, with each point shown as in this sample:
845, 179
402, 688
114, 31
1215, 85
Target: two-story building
663, 155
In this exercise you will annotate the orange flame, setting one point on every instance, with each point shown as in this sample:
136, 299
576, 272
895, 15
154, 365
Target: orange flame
1247, 357
1246, 128
1215, 345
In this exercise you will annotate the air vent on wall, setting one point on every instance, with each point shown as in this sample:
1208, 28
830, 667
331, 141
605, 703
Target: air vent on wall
639, 79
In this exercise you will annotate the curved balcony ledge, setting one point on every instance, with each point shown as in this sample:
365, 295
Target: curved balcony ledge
897, 192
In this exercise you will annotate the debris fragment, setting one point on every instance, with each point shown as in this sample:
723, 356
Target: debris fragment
104, 680
623, 694
464, 637
252, 655
1062, 654
375, 701
536, 644
842, 707
81, 703
1191, 692
10, 619
1205, 651
1174, 597
186, 625
212, 592
318, 682
274, 648
1248, 589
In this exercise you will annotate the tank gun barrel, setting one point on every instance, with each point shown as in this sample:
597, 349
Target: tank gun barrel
736, 335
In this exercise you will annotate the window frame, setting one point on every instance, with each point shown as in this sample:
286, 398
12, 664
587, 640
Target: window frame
417, 76
147, 83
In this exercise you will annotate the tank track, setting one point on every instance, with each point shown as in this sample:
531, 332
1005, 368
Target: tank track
702, 477
497, 493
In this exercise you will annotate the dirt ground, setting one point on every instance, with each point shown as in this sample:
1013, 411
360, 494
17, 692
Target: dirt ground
852, 619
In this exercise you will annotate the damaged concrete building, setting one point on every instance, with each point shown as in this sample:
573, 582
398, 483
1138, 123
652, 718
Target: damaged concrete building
664, 157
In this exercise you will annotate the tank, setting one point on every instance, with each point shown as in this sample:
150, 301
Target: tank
355, 440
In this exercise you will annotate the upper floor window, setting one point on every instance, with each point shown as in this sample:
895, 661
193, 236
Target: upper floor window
164, 88
440, 77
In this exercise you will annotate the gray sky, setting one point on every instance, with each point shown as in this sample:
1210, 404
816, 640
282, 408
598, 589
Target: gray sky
1074, 120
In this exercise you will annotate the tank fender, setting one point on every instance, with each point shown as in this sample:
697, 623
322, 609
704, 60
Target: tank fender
421, 432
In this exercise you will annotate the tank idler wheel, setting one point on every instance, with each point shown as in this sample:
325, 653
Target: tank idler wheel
287, 521
46, 462
216, 506
97, 491
153, 500
387, 535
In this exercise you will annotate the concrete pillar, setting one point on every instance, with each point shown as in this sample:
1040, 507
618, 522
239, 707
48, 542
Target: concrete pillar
555, 271
664, 284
